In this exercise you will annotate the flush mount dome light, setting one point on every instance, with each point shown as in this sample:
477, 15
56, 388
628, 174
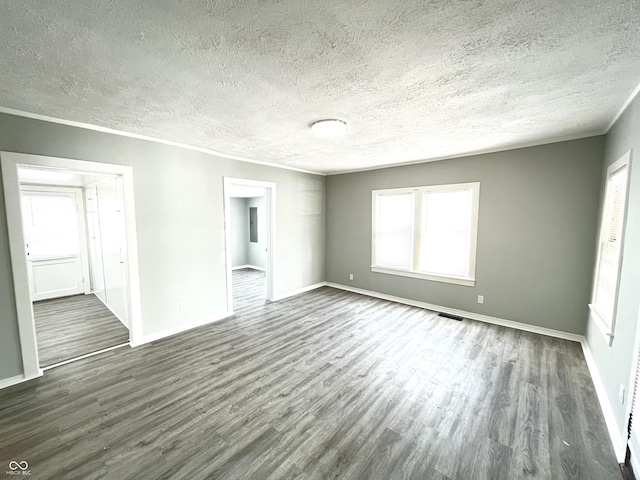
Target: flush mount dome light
329, 127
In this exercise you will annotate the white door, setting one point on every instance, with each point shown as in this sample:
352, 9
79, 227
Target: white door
52, 223
113, 243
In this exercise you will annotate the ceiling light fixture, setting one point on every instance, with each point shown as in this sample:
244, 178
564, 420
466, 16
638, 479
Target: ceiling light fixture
329, 127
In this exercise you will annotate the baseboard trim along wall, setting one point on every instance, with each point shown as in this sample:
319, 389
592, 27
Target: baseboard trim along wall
253, 267
9, 382
618, 442
300, 290
461, 313
154, 337
617, 439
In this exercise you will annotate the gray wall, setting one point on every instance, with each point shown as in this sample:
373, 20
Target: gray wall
239, 232
256, 250
614, 362
180, 224
536, 233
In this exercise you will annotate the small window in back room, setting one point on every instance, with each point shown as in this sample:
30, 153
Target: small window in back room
253, 224
607, 272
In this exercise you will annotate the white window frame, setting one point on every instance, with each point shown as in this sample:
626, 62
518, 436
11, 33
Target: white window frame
607, 325
468, 279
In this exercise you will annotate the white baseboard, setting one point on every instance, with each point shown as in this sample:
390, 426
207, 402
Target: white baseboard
153, 337
635, 459
86, 355
619, 443
253, 267
299, 291
8, 382
461, 313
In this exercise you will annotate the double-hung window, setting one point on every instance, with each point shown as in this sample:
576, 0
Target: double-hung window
612, 221
426, 232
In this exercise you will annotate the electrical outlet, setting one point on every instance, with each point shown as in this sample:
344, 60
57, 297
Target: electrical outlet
621, 394
351, 276
182, 305
480, 298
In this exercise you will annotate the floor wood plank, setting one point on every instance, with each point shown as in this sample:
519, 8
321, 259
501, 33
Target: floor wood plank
70, 327
327, 384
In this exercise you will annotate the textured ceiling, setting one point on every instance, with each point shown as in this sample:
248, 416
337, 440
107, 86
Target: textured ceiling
415, 79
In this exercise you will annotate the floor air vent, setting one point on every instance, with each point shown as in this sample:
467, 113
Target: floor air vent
452, 317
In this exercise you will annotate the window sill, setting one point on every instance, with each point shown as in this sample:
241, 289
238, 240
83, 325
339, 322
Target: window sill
469, 282
605, 328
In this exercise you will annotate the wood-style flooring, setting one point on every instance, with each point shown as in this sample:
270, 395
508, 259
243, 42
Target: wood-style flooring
324, 385
70, 327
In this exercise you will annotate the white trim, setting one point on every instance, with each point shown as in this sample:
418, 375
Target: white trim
624, 106
252, 267
619, 443
550, 332
154, 337
469, 282
270, 207
9, 163
300, 290
635, 459
605, 326
8, 382
97, 128
86, 355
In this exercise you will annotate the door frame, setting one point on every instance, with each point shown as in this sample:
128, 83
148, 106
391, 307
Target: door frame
9, 163
270, 207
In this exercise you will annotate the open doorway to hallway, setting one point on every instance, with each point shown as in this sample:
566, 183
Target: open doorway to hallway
249, 233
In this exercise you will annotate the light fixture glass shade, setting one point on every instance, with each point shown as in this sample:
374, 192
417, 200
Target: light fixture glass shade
329, 127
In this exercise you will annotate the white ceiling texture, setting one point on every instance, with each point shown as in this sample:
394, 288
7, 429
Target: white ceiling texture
415, 79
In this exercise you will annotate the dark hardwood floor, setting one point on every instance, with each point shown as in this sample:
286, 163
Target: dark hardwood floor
324, 385
70, 327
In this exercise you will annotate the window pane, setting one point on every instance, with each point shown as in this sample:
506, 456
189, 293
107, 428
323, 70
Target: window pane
446, 232
609, 258
50, 224
394, 233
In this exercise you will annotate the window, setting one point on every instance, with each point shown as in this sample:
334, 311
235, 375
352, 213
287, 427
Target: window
605, 285
426, 232
50, 225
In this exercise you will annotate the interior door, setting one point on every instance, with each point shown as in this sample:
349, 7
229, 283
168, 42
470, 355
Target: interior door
51, 227
95, 244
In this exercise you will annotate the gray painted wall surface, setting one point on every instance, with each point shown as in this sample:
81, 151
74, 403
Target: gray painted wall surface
256, 253
615, 362
536, 232
180, 223
239, 231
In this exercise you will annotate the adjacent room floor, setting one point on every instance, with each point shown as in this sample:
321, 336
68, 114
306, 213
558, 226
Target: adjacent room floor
70, 327
327, 384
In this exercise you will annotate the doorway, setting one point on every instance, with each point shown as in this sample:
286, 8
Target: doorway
249, 235
37, 189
